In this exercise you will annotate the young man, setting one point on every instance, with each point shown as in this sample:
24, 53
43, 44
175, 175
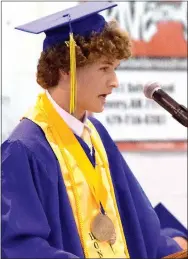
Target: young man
67, 191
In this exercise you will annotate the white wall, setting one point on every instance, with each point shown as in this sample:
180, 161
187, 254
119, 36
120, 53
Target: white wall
21, 51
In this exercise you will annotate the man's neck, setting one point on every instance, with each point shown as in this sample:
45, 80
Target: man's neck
62, 99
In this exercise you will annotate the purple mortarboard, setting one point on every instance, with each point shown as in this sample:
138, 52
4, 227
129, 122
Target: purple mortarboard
170, 225
82, 20
62, 26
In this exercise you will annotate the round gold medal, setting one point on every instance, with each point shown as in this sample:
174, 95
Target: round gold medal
112, 239
103, 228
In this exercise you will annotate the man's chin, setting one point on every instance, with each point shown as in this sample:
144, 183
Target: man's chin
98, 110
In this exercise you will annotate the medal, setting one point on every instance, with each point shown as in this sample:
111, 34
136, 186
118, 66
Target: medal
103, 228
112, 239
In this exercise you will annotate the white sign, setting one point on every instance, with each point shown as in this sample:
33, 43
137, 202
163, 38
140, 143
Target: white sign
141, 18
130, 116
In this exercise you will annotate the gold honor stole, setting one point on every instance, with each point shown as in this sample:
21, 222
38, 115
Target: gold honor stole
86, 186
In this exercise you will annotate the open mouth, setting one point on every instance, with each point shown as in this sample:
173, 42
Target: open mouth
103, 95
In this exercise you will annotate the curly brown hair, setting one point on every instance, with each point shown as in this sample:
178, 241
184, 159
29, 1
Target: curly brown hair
112, 43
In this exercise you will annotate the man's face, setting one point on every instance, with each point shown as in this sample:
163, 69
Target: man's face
94, 83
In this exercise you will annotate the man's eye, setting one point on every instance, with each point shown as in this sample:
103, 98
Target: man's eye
104, 68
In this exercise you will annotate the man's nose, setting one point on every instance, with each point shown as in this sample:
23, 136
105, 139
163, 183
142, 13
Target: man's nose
114, 82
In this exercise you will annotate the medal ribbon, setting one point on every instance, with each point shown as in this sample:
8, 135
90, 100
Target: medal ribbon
68, 142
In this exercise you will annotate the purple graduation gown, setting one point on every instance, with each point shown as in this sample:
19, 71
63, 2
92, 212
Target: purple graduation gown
37, 219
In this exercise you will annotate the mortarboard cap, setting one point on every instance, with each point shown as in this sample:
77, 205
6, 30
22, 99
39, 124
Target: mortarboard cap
82, 20
62, 26
171, 225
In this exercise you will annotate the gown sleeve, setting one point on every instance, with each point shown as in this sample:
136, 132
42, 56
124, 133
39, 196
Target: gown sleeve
170, 225
157, 243
25, 228
165, 245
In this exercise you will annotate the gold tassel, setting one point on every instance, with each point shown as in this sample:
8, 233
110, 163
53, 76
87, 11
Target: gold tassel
73, 86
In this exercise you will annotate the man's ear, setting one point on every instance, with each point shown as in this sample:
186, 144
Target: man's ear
64, 76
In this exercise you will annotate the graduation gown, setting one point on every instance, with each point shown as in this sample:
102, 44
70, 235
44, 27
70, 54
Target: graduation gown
37, 218
170, 225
